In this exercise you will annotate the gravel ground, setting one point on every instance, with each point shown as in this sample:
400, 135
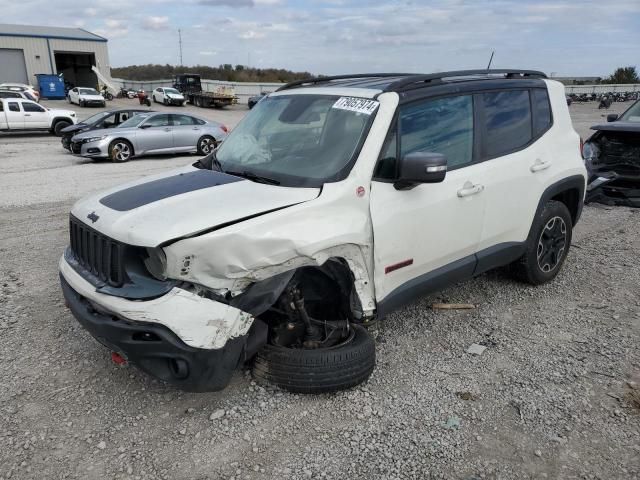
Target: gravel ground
550, 397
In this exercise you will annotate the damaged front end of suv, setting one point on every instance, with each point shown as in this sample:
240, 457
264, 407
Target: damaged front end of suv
248, 254
612, 158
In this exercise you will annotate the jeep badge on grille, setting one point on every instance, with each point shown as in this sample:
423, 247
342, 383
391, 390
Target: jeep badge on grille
93, 217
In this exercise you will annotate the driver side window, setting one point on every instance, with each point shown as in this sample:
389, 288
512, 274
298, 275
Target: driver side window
443, 125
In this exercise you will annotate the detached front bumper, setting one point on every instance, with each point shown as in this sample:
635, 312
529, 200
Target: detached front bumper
180, 338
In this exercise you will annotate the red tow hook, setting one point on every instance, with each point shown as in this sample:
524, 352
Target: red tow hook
118, 359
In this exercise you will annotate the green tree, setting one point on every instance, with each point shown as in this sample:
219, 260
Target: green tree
623, 75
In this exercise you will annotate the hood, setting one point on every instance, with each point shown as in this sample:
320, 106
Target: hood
174, 95
66, 113
105, 131
75, 128
182, 203
618, 126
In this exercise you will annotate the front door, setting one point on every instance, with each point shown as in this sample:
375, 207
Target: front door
426, 237
35, 116
155, 135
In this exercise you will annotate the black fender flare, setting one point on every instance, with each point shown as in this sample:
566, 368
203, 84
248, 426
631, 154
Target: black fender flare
574, 182
57, 119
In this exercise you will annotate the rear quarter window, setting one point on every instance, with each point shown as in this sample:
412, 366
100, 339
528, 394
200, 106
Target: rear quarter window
507, 121
541, 111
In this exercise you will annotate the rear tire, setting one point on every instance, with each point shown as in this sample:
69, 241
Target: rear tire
320, 370
58, 126
548, 245
206, 144
120, 151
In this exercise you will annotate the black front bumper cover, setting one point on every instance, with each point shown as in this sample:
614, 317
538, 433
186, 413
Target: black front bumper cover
158, 351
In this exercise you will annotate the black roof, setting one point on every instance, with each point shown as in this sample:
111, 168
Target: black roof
401, 82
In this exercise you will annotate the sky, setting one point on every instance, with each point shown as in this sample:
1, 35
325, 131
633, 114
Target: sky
562, 38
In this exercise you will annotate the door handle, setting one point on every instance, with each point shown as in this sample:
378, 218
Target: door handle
27, 114
167, 129
539, 165
469, 189
196, 128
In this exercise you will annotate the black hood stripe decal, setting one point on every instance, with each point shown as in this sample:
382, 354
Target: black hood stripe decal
145, 193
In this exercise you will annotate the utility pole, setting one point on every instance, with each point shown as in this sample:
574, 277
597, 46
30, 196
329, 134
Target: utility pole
490, 60
180, 43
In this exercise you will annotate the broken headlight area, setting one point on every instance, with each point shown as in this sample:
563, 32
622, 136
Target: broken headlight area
155, 261
613, 162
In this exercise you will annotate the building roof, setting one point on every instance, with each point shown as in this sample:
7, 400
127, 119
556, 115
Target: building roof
34, 31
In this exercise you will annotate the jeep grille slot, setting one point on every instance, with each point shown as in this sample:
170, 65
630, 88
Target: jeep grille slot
99, 254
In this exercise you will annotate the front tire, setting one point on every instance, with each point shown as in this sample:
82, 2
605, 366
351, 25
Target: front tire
319, 370
59, 125
120, 151
548, 245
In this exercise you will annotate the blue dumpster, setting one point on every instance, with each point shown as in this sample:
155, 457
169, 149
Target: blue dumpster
51, 86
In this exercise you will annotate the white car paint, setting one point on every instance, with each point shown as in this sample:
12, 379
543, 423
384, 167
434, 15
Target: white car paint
171, 95
21, 87
85, 95
367, 223
20, 114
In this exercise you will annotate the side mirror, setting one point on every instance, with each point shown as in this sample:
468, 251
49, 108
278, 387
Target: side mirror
421, 167
144, 125
612, 117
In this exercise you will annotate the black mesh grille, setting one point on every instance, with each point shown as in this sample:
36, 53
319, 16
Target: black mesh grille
99, 254
76, 147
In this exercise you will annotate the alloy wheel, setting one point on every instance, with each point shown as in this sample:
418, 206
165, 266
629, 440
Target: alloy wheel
206, 145
121, 152
552, 244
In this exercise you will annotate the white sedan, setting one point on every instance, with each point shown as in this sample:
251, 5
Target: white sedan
168, 96
85, 97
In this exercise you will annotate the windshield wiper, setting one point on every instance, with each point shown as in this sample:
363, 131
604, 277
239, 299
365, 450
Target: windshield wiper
254, 178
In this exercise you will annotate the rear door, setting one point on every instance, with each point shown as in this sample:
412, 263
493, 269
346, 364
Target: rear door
186, 132
155, 135
35, 116
14, 115
516, 163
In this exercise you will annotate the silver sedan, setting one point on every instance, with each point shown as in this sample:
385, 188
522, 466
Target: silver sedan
150, 133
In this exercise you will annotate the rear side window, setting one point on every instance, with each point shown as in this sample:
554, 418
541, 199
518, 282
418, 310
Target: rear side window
14, 107
541, 111
507, 121
183, 120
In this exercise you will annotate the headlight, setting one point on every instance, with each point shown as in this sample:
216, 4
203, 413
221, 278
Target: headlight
94, 139
156, 263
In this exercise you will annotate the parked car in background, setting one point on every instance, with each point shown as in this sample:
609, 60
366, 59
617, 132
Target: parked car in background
17, 114
28, 90
190, 85
12, 94
150, 133
253, 101
102, 120
612, 157
168, 96
334, 201
86, 97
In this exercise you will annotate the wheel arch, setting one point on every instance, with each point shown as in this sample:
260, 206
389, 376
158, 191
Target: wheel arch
569, 191
133, 147
56, 120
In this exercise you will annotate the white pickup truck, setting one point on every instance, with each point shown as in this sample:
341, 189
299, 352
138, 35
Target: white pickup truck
20, 114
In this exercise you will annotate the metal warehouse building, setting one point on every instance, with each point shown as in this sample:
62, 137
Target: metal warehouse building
26, 50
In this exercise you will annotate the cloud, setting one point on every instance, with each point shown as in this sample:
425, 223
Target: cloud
227, 3
155, 23
207, 53
91, 12
268, 2
251, 35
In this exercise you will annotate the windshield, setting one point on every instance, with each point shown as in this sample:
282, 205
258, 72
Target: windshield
298, 140
633, 114
88, 91
95, 118
134, 121
172, 91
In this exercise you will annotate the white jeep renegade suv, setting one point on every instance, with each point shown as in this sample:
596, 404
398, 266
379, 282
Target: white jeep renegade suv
335, 201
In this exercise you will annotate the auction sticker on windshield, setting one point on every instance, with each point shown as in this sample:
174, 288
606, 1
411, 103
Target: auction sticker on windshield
358, 105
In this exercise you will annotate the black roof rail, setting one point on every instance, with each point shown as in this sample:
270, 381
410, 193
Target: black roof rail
315, 80
418, 81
